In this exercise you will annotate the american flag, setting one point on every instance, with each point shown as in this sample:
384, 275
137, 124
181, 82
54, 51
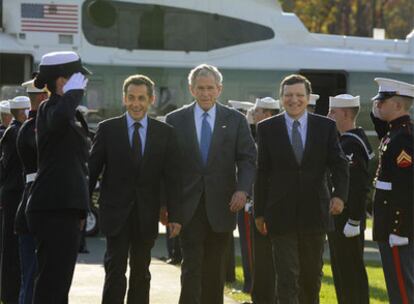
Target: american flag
57, 18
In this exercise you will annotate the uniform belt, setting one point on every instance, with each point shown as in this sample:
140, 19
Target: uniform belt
30, 177
383, 185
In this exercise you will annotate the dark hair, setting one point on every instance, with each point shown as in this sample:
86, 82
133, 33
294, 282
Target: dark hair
139, 80
272, 112
294, 79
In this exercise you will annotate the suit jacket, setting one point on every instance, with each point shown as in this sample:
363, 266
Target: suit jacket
295, 197
124, 184
230, 165
61, 183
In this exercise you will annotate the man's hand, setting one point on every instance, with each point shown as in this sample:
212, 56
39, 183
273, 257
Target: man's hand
336, 206
164, 216
261, 225
174, 229
396, 240
238, 201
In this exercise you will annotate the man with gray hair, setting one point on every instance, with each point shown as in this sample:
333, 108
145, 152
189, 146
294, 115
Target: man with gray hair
218, 157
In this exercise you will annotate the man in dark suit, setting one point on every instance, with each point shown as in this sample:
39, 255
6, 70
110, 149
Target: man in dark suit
218, 171
135, 153
292, 199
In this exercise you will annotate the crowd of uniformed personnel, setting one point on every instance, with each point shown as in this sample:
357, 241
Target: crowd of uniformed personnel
288, 177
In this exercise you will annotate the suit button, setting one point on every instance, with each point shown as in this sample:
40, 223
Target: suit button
397, 212
395, 230
385, 202
396, 222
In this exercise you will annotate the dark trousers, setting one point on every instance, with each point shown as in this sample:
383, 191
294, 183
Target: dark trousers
243, 224
10, 263
348, 268
298, 264
57, 242
264, 276
27, 248
128, 242
204, 259
398, 266
230, 271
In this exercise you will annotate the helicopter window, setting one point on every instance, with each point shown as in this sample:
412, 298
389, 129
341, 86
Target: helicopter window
155, 27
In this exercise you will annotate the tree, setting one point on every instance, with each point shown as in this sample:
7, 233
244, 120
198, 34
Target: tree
354, 17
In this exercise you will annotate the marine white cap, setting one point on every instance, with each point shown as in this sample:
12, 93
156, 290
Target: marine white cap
5, 107
30, 88
344, 101
241, 105
267, 103
389, 87
312, 99
20, 102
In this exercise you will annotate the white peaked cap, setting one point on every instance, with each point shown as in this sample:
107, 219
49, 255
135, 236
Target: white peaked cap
20, 102
312, 99
5, 107
55, 58
344, 101
267, 103
241, 105
390, 87
30, 88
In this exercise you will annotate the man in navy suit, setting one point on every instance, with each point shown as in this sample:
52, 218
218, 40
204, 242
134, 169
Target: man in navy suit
292, 198
135, 154
218, 171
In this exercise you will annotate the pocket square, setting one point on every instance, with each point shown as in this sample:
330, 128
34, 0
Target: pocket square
224, 126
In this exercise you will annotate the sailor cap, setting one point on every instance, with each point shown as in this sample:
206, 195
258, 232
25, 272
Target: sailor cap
55, 64
344, 101
312, 99
241, 105
30, 88
19, 102
5, 107
390, 87
267, 103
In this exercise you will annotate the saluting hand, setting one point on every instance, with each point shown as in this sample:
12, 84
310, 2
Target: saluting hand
238, 201
336, 206
174, 229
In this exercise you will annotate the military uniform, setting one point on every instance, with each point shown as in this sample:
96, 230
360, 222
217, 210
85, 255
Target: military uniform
347, 260
26, 148
12, 189
59, 196
393, 200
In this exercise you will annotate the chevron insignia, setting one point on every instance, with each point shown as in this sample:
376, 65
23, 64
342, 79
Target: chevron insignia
404, 160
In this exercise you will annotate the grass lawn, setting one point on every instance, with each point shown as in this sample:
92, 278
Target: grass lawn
378, 292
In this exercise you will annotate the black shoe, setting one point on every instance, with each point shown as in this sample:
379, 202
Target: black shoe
83, 250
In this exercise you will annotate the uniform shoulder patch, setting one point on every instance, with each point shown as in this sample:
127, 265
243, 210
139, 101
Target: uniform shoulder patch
404, 160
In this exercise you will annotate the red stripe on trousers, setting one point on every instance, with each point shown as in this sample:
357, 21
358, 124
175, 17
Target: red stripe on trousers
400, 278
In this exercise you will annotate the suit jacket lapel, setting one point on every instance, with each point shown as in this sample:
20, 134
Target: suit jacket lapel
309, 137
149, 139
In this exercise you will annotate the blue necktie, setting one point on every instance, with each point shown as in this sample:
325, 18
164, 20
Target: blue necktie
205, 138
297, 141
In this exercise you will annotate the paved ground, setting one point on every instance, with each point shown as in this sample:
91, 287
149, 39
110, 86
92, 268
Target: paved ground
165, 283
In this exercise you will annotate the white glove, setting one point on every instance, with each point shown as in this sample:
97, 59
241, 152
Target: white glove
249, 116
351, 230
76, 82
396, 240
